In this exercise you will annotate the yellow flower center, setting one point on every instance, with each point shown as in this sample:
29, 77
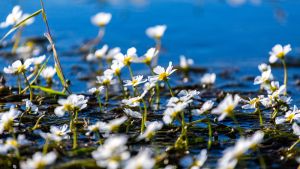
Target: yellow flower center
229, 109
127, 60
281, 55
68, 107
290, 117
162, 76
13, 143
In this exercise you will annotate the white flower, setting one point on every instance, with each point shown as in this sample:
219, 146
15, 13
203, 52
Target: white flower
150, 84
133, 102
30, 106
200, 160
96, 90
101, 19
162, 73
185, 63
296, 129
142, 160
279, 52
112, 152
57, 133
39, 160
136, 80
99, 54
171, 112
112, 53
94, 127
289, 116
17, 67
72, 103
61, 131
208, 79
13, 18
266, 77
226, 107
148, 56
48, 73
264, 67
231, 154
156, 32
252, 103
38, 60
205, 107
132, 113
128, 58
13, 144
106, 79
7, 119
151, 128
116, 67
112, 125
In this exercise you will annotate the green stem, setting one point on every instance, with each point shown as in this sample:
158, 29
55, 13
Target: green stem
209, 134
195, 122
19, 83
170, 88
274, 114
122, 87
74, 130
156, 87
260, 116
28, 84
37, 122
130, 71
45, 147
292, 146
144, 118
106, 95
285, 75
99, 101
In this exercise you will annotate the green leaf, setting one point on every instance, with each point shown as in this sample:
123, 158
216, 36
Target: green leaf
21, 23
48, 90
59, 74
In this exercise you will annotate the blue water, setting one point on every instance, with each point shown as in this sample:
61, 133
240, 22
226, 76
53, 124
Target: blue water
211, 32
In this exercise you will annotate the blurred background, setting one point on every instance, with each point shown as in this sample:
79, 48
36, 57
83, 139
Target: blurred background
215, 33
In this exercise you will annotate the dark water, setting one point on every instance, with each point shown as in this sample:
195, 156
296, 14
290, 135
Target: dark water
216, 35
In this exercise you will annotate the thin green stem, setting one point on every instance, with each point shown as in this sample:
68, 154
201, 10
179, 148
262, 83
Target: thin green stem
46, 145
260, 116
293, 146
37, 122
156, 87
144, 118
285, 75
170, 88
130, 72
121, 83
19, 83
28, 84
106, 95
209, 134
99, 101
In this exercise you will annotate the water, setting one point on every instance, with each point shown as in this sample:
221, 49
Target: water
216, 35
